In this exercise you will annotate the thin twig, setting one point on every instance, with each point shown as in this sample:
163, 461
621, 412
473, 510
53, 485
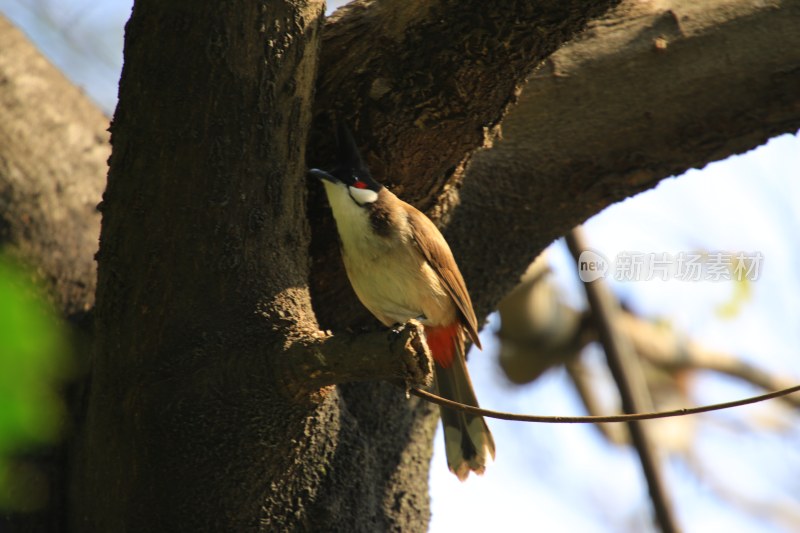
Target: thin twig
620, 358
599, 419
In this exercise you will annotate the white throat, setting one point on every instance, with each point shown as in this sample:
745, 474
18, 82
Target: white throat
363, 196
351, 219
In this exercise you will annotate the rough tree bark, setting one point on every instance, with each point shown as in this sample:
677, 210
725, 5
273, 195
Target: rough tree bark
201, 279
53, 150
203, 271
651, 90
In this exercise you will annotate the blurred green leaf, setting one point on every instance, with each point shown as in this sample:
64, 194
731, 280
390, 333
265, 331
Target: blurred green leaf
33, 363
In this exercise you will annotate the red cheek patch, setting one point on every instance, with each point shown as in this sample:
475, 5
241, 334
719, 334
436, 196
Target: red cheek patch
359, 184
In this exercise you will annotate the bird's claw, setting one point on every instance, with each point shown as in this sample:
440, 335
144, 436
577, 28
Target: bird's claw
396, 330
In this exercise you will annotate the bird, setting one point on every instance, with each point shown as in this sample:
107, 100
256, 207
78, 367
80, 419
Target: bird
401, 268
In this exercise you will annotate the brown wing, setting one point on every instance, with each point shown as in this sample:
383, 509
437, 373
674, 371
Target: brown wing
436, 251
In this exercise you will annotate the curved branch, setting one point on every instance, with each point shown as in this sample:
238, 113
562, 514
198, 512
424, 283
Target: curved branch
603, 419
648, 92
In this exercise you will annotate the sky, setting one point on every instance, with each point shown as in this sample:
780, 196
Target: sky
558, 478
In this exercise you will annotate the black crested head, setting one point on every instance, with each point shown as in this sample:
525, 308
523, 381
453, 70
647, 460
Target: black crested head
351, 169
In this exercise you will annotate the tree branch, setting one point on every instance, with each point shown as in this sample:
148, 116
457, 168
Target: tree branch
539, 331
668, 349
630, 381
649, 91
349, 357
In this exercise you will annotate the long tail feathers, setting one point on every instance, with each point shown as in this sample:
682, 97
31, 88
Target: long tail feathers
468, 441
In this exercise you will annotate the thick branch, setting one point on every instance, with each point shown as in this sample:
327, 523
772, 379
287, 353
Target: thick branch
648, 92
346, 357
422, 82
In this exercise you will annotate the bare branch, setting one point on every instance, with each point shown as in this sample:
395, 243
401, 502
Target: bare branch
539, 331
632, 387
669, 350
603, 419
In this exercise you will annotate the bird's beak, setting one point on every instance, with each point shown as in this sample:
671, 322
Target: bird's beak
321, 174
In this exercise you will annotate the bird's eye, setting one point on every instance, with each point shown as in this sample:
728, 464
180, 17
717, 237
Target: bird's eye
358, 184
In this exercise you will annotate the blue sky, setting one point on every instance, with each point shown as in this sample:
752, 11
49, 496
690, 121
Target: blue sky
566, 478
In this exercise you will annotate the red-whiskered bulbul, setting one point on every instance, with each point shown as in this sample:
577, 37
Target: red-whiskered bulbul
401, 268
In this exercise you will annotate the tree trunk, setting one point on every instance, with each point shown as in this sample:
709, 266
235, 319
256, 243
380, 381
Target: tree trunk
201, 279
